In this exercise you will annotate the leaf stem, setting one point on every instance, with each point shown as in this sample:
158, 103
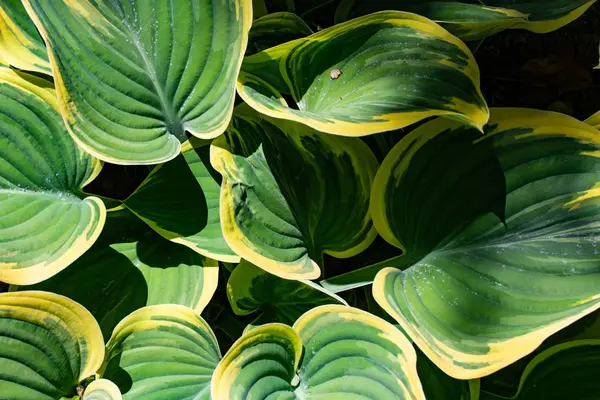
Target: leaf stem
364, 276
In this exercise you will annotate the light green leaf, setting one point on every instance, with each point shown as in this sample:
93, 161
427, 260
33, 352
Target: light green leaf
501, 249
20, 43
290, 194
48, 344
102, 389
476, 19
275, 29
251, 289
162, 352
134, 76
180, 201
376, 73
566, 371
436, 384
45, 224
348, 354
127, 270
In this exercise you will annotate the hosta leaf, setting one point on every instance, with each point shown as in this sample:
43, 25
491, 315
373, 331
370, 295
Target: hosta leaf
162, 352
501, 249
376, 73
275, 29
133, 76
126, 271
44, 223
348, 354
566, 371
102, 389
20, 42
251, 289
48, 344
476, 19
290, 193
180, 200
594, 120
544, 16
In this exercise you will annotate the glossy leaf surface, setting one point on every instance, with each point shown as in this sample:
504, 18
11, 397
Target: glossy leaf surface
180, 201
162, 352
131, 267
251, 289
376, 73
134, 76
501, 249
348, 354
477, 19
286, 189
48, 344
46, 222
20, 43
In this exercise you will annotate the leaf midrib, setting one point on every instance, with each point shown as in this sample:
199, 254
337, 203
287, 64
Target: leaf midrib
59, 195
172, 120
468, 248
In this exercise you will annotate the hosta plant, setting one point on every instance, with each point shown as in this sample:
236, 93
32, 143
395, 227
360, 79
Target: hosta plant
324, 205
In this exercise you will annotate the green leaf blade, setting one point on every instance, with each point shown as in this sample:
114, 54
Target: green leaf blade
474, 20
251, 289
20, 42
44, 224
49, 344
125, 271
133, 77
270, 216
348, 353
499, 273
162, 351
345, 79
180, 201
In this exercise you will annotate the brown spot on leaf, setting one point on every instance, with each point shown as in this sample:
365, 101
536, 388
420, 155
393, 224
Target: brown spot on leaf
335, 73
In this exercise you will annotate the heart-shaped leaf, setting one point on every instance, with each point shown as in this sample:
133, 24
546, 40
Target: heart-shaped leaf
162, 352
45, 224
500, 235
102, 389
48, 344
20, 43
367, 76
180, 200
477, 19
286, 189
251, 289
566, 371
128, 270
134, 76
348, 354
